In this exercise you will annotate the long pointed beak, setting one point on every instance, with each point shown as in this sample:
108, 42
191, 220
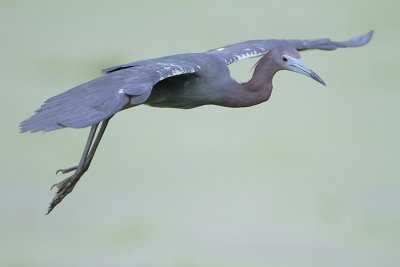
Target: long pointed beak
299, 67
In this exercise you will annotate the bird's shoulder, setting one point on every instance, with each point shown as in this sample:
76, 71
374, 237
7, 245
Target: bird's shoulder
170, 65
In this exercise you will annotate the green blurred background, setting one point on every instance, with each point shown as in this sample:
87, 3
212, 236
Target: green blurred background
310, 178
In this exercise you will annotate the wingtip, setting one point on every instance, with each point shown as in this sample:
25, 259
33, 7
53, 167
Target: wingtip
364, 39
368, 36
357, 41
22, 128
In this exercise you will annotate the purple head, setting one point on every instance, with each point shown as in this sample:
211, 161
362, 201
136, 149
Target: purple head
288, 58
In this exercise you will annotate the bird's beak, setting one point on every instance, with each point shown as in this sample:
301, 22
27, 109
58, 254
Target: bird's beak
297, 65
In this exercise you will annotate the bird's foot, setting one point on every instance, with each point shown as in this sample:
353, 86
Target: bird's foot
65, 187
67, 170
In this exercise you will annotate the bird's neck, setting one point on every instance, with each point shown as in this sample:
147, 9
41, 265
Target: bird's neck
257, 90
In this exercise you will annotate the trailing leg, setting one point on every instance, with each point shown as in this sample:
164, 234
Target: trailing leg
67, 185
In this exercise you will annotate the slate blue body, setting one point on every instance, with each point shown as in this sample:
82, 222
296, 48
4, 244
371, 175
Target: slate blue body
178, 81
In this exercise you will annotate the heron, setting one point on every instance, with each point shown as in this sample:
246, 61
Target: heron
182, 81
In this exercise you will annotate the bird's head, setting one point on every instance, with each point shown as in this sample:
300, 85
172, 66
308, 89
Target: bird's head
288, 58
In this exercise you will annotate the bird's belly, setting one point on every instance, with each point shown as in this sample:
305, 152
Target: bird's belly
179, 93
172, 100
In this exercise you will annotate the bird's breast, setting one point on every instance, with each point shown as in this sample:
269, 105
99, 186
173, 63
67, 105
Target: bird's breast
185, 91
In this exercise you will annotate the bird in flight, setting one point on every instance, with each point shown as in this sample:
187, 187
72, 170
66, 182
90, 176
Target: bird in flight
178, 81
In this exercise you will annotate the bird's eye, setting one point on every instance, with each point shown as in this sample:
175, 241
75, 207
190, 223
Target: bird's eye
284, 58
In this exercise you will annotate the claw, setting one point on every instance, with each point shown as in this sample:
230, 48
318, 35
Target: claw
67, 170
65, 187
51, 188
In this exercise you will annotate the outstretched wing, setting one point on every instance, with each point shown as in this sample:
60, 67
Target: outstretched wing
101, 98
235, 52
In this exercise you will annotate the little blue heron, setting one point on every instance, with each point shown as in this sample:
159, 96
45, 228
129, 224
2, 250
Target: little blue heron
179, 81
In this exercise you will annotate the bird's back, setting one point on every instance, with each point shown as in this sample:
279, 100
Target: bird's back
193, 90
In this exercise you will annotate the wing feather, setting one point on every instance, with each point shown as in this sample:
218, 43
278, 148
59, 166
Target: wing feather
101, 98
238, 51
